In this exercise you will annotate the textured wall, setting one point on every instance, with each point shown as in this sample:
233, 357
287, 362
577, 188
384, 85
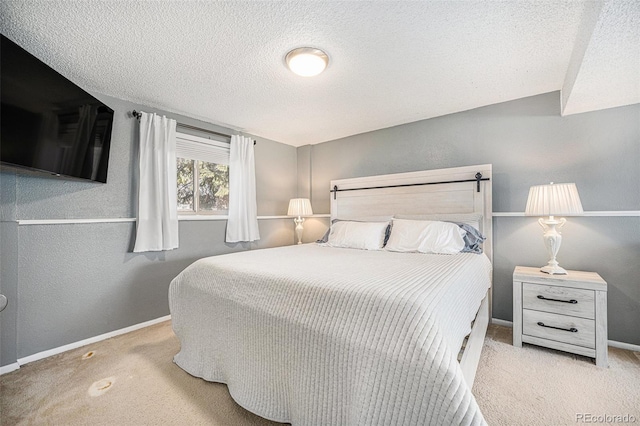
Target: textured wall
304, 171
528, 143
96, 285
70, 282
8, 287
8, 266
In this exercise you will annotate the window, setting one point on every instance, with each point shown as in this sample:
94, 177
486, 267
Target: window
202, 175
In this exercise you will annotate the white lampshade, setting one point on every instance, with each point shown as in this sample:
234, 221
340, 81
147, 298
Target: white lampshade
300, 207
555, 199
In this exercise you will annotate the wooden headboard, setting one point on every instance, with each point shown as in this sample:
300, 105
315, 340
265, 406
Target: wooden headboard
453, 190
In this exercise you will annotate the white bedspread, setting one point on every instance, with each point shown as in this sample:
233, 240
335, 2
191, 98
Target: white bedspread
325, 336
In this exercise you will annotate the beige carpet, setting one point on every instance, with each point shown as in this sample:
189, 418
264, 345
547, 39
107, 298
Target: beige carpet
131, 380
539, 386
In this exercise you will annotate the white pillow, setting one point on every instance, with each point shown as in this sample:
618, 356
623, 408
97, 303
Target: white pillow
425, 236
443, 238
358, 235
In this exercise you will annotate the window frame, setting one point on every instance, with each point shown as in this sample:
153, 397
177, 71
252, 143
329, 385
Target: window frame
196, 180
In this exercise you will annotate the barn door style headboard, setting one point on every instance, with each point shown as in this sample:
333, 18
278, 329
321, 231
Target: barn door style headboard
442, 191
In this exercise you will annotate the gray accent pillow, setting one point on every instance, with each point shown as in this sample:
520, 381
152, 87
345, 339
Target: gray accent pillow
472, 239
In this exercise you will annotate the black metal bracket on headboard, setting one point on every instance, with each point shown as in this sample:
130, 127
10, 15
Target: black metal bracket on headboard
478, 179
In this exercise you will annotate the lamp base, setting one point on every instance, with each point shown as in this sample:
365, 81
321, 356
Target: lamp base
299, 228
553, 270
552, 240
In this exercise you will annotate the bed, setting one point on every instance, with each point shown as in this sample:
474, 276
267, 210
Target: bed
317, 335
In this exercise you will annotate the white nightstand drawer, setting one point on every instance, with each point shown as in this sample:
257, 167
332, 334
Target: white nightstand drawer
559, 328
559, 300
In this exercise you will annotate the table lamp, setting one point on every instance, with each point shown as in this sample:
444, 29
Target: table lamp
299, 207
559, 199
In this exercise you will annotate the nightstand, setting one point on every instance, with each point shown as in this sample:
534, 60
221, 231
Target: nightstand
563, 312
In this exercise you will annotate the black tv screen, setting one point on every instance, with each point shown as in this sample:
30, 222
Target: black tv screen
48, 123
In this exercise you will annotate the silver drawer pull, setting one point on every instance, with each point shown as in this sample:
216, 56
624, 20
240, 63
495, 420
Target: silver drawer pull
572, 301
572, 329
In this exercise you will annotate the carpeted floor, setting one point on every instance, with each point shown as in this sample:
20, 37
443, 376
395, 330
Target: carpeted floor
131, 380
539, 386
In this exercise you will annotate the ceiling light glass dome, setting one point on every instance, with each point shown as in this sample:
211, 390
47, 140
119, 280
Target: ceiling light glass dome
307, 61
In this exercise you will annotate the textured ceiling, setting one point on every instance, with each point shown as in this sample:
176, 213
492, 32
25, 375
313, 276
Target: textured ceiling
390, 62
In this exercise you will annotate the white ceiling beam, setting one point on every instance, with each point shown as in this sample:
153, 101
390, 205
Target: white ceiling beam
604, 71
589, 20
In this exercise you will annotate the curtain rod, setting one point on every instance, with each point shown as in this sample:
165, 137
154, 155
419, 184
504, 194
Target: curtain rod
137, 115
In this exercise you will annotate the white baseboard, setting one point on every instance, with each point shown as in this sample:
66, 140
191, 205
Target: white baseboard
498, 321
612, 343
9, 368
623, 345
75, 345
45, 354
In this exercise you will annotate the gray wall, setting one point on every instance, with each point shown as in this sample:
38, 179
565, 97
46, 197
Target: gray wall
8, 267
69, 282
528, 143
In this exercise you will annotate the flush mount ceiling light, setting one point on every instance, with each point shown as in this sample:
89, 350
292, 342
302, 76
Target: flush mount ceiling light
307, 61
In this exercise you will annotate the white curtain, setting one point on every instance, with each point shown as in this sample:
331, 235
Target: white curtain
243, 211
157, 224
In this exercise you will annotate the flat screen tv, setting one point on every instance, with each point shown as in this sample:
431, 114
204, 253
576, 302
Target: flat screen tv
48, 123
